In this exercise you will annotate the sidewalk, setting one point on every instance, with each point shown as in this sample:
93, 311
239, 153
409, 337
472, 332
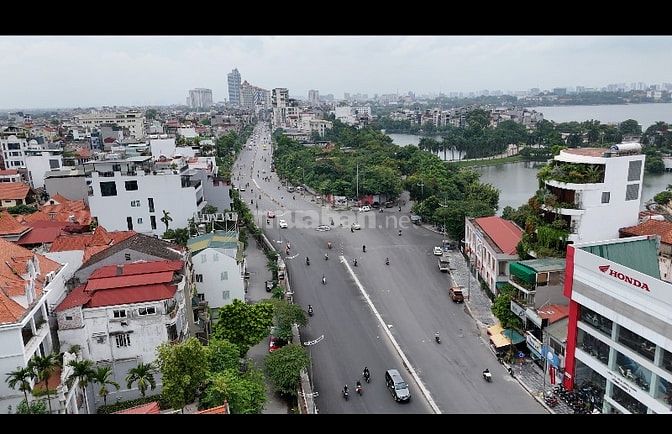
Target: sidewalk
256, 265
528, 374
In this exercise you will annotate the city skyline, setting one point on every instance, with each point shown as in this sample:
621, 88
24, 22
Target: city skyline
157, 70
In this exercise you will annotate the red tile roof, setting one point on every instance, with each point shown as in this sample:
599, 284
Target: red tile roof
10, 311
221, 409
8, 172
9, 225
504, 233
132, 294
77, 297
650, 227
125, 281
40, 236
91, 244
62, 210
13, 190
554, 312
149, 408
137, 268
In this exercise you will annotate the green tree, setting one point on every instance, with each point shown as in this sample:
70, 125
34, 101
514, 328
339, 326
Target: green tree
150, 114
184, 369
143, 374
34, 407
501, 307
283, 368
102, 376
245, 394
244, 324
222, 355
286, 315
21, 209
654, 164
43, 367
82, 370
209, 209
20, 377
663, 198
630, 126
166, 219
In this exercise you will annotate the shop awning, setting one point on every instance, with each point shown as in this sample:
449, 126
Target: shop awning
513, 336
523, 272
497, 338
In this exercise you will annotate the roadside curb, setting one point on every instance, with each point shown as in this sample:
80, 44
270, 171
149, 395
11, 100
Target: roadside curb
531, 392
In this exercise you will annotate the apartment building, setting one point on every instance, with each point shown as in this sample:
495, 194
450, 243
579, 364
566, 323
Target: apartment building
234, 87
595, 191
39, 161
136, 193
200, 98
132, 120
14, 141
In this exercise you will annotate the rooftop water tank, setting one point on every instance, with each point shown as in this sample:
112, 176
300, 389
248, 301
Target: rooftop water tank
627, 147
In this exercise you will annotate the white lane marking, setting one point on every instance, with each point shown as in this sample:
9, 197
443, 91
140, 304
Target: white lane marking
389, 335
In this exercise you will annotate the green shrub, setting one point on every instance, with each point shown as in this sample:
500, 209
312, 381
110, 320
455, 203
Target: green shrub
123, 405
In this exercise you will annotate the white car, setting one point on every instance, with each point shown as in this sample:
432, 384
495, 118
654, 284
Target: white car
356, 226
438, 251
322, 228
282, 224
365, 208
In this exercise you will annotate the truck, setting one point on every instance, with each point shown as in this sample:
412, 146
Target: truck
455, 293
444, 264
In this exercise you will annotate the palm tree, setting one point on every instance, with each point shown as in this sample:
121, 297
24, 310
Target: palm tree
144, 375
82, 371
20, 376
102, 377
42, 367
166, 219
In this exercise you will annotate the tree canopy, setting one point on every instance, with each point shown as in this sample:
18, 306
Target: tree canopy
184, 368
283, 368
244, 324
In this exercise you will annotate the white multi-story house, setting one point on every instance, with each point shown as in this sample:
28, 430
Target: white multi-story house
10, 175
490, 243
39, 161
133, 194
219, 267
14, 142
30, 285
134, 121
124, 312
606, 196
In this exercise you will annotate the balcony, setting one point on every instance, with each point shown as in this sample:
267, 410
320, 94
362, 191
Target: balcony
34, 342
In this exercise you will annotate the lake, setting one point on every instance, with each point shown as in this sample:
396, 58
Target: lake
412, 139
517, 182
645, 114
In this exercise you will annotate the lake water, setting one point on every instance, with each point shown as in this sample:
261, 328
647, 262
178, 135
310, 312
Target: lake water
517, 182
412, 139
645, 114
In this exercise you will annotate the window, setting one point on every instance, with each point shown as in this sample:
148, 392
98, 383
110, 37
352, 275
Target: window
139, 220
151, 204
129, 223
201, 297
108, 188
123, 340
224, 275
632, 192
635, 170
131, 185
13, 146
127, 256
146, 311
199, 278
152, 221
226, 295
68, 318
119, 313
135, 203
116, 167
54, 164
606, 196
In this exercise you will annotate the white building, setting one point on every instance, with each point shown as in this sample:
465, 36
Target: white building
133, 194
134, 121
490, 243
13, 142
320, 126
124, 312
620, 317
607, 196
39, 161
200, 98
30, 285
219, 267
187, 133
162, 145
10, 175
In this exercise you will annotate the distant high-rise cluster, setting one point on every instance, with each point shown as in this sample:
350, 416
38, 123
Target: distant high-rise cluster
314, 97
234, 87
200, 98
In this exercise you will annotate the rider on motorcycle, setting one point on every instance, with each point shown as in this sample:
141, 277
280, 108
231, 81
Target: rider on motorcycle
366, 372
307, 260
364, 248
326, 256
387, 261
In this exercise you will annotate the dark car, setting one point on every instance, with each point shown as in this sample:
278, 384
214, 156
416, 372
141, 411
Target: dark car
416, 219
397, 385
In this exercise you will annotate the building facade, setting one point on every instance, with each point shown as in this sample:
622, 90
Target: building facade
200, 98
596, 190
134, 121
490, 243
620, 316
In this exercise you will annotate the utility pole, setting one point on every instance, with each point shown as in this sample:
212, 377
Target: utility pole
357, 182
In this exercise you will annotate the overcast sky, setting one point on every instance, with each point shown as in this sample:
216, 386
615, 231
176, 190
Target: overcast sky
82, 71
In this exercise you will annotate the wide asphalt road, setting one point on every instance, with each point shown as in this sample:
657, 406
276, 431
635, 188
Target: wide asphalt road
410, 294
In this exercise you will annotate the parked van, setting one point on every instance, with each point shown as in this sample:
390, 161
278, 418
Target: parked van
397, 385
456, 294
444, 264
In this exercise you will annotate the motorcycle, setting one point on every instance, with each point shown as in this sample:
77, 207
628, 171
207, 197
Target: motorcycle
324, 280
399, 232
345, 394
326, 257
307, 261
329, 245
359, 389
437, 339
367, 376
355, 262
310, 310
364, 249
387, 261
